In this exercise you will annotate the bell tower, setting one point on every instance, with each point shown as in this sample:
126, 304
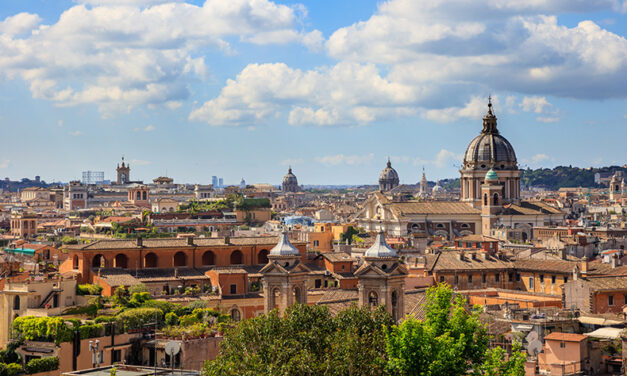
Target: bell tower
492, 201
284, 277
381, 279
124, 173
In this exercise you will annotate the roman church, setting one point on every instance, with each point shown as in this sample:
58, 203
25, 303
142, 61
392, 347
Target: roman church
489, 200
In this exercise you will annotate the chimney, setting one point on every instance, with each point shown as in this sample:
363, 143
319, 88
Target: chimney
460, 256
614, 261
190, 240
176, 272
473, 256
227, 240
584, 265
484, 256
140, 241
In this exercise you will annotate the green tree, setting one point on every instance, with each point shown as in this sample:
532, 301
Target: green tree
496, 365
306, 340
348, 235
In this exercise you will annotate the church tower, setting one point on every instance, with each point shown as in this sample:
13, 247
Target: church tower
124, 173
381, 279
489, 151
617, 187
492, 201
284, 277
424, 185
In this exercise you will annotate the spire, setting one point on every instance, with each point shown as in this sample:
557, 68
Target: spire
389, 163
380, 248
289, 170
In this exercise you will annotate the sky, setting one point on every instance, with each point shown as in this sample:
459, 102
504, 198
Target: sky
246, 88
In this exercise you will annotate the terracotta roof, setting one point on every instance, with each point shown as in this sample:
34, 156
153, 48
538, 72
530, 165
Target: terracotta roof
102, 244
476, 238
431, 207
336, 256
449, 260
607, 283
530, 208
567, 337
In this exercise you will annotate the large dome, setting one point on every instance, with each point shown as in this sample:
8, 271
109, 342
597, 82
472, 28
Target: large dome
290, 178
489, 149
389, 174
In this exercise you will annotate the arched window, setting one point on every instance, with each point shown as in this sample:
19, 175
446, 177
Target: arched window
75, 262
496, 199
236, 258
99, 262
373, 299
145, 195
262, 257
208, 258
150, 260
180, 259
395, 312
120, 261
138, 196
485, 199
297, 295
236, 315
16, 303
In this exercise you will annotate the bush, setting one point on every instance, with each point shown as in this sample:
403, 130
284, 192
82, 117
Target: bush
43, 328
50, 363
88, 289
69, 240
91, 330
171, 318
136, 318
11, 369
197, 304
138, 288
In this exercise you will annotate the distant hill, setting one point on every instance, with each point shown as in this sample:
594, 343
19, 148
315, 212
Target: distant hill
14, 186
557, 177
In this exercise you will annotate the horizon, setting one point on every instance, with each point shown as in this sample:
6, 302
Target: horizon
245, 89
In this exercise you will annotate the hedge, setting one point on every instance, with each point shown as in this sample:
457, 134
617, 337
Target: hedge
50, 363
11, 369
136, 318
88, 289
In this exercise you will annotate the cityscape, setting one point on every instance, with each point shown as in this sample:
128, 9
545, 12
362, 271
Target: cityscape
255, 187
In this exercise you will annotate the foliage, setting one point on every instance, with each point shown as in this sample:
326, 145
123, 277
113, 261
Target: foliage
10, 369
171, 319
348, 235
137, 299
193, 331
88, 289
120, 296
91, 330
140, 287
113, 371
50, 363
495, 365
451, 341
306, 340
136, 318
69, 240
9, 355
197, 304
43, 328
252, 203
564, 176
90, 310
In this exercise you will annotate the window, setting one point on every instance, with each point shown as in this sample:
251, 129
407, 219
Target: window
562, 344
116, 356
236, 315
485, 199
510, 277
441, 278
16, 303
531, 282
565, 279
517, 277
316, 243
456, 279
484, 278
541, 278
553, 278
470, 278
610, 300
318, 283
497, 277
496, 199
233, 289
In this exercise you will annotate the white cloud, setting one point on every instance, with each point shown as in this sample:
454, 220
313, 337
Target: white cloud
149, 128
75, 133
351, 160
292, 162
140, 162
345, 94
548, 119
120, 54
535, 104
539, 158
21, 23
474, 109
4, 163
444, 158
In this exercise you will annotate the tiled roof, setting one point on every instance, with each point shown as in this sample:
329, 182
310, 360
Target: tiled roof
476, 238
530, 208
431, 207
568, 337
336, 256
607, 283
117, 277
103, 244
450, 261
558, 266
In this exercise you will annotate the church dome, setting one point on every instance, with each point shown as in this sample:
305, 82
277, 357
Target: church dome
389, 174
380, 248
489, 149
491, 175
290, 178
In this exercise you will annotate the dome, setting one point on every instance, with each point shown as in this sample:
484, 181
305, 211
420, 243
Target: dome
491, 175
389, 174
290, 178
380, 248
438, 187
489, 149
284, 247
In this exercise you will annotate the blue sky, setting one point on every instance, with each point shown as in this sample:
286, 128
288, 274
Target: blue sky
244, 88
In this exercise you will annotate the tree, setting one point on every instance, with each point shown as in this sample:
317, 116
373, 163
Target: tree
306, 340
451, 341
348, 234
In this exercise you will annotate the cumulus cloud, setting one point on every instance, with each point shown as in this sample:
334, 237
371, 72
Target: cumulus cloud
535, 104
346, 94
120, 54
351, 160
539, 158
475, 108
292, 162
4, 163
548, 119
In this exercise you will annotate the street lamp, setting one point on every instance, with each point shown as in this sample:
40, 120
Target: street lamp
94, 348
